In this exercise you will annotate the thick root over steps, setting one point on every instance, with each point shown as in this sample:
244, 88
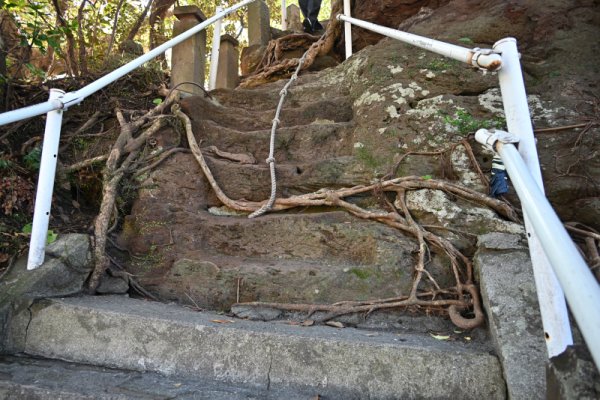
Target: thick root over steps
461, 297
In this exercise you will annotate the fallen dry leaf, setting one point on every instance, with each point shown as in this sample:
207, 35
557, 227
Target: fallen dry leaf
222, 321
440, 337
308, 322
335, 324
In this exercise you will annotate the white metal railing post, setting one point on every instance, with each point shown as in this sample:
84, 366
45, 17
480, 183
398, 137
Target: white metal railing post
45, 186
283, 15
348, 29
214, 54
578, 282
555, 319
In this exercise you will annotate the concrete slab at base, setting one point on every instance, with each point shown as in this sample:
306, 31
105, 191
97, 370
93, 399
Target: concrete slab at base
342, 363
43, 379
509, 297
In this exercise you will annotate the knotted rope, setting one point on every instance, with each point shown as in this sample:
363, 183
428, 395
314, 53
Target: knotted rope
271, 159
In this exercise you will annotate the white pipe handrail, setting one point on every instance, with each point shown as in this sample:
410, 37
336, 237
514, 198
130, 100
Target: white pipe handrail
283, 15
214, 54
78, 96
60, 101
45, 186
347, 29
575, 277
553, 308
481, 58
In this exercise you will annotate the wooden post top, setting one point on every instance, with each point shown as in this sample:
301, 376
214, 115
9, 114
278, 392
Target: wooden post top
185, 12
228, 38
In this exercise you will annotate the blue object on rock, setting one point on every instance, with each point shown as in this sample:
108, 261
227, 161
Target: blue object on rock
499, 181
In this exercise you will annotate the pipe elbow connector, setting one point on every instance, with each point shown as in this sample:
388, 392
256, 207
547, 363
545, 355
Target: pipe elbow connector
490, 137
486, 59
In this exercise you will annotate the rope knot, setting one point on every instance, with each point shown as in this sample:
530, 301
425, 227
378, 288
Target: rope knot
270, 160
294, 77
276, 121
283, 92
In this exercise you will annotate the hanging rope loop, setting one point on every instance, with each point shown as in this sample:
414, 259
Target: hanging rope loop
271, 159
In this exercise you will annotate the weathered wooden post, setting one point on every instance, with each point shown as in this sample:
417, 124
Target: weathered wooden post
229, 56
294, 19
188, 58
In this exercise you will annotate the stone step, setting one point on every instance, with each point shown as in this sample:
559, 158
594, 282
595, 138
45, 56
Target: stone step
181, 184
200, 108
300, 143
253, 182
118, 332
266, 97
339, 258
46, 379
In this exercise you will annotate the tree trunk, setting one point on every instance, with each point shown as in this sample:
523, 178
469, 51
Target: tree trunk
70, 54
138, 23
81, 40
111, 41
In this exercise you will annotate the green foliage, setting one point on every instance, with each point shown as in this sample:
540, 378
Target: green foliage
367, 158
89, 26
36, 24
360, 273
50, 236
440, 64
33, 158
466, 40
466, 124
5, 164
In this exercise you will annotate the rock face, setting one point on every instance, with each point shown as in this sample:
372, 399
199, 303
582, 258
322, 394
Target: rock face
572, 375
65, 269
67, 265
372, 116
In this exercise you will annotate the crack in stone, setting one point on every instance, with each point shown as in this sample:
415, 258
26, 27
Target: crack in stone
27, 327
269, 371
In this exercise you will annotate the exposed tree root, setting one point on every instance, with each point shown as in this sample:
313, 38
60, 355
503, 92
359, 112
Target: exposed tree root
121, 158
462, 297
273, 66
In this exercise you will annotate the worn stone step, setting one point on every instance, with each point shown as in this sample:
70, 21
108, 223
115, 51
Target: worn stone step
300, 143
339, 258
202, 108
181, 183
46, 379
119, 332
266, 97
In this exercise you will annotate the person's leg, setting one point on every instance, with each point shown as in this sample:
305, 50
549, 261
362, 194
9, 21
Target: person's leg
305, 8
314, 6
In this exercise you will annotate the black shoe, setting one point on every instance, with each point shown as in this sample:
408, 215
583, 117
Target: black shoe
317, 26
307, 26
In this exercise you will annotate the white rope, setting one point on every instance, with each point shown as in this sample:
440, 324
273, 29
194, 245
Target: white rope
271, 159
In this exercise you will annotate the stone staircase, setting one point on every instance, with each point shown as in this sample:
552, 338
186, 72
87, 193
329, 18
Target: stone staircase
201, 254
188, 249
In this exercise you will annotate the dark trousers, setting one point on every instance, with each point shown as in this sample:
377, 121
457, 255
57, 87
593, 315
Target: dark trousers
310, 9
